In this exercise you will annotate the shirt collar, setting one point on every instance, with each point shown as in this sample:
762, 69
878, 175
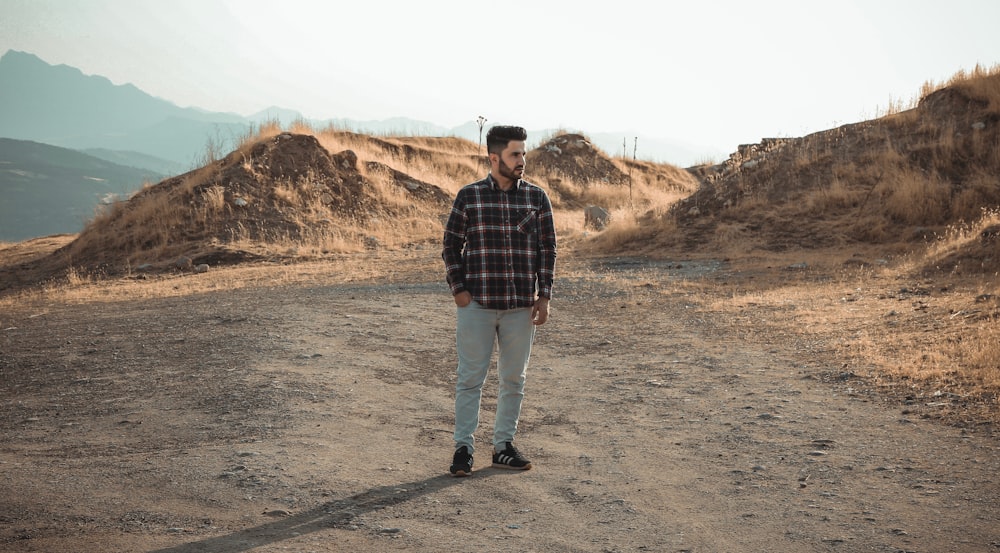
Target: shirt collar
496, 186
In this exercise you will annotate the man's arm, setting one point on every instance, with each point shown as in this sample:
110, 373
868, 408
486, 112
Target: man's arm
454, 243
546, 249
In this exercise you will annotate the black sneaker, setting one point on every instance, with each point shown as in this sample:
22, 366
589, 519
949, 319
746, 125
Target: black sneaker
461, 463
510, 458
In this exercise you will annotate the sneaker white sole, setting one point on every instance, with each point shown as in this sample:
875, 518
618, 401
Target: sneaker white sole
508, 467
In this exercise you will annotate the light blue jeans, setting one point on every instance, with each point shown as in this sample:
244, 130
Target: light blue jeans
478, 329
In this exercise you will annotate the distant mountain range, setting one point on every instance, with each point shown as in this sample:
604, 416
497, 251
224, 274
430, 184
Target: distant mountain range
50, 190
59, 105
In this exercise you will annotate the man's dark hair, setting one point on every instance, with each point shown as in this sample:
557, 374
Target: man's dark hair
499, 136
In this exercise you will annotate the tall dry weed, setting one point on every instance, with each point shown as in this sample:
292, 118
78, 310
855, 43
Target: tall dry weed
834, 194
913, 197
962, 235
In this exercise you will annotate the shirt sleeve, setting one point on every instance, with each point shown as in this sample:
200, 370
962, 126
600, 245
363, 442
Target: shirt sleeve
546, 248
454, 244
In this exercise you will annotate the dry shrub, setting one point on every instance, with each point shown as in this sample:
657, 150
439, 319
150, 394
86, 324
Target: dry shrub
77, 277
732, 239
978, 83
214, 199
966, 243
872, 229
623, 231
750, 206
608, 196
981, 350
834, 195
982, 188
913, 197
629, 233
264, 130
393, 196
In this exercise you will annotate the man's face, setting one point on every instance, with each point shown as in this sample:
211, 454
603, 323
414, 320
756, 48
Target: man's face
511, 160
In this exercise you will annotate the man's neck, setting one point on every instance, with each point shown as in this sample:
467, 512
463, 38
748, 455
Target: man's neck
503, 183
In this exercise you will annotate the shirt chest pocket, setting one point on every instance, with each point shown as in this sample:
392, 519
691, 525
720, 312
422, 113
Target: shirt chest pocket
526, 221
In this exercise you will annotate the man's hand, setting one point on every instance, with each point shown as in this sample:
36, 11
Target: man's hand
463, 298
540, 311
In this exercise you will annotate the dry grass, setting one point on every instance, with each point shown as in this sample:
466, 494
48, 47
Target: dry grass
76, 287
912, 340
196, 204
448, 163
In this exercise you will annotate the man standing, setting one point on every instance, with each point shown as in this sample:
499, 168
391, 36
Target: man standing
499, 244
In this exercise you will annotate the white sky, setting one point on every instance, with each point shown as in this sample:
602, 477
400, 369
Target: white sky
713, 73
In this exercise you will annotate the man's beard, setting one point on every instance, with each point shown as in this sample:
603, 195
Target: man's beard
509, 173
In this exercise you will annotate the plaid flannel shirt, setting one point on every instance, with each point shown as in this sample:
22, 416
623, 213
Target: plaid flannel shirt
498, 245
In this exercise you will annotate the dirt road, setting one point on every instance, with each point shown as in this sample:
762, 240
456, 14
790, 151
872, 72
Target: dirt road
291, 417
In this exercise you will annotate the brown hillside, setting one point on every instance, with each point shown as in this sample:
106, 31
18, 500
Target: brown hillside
305, 194
892, 182
279, 197
578, 174
574, 157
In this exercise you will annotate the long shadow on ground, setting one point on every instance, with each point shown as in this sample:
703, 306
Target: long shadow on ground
333, 514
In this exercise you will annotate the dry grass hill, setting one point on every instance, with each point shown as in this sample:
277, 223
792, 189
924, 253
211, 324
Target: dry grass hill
304, 194
896, 182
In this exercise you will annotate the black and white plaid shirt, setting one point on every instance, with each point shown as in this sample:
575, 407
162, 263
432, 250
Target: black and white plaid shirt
498, 245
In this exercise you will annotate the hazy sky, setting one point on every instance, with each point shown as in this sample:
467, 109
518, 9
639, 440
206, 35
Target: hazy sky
710, 73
